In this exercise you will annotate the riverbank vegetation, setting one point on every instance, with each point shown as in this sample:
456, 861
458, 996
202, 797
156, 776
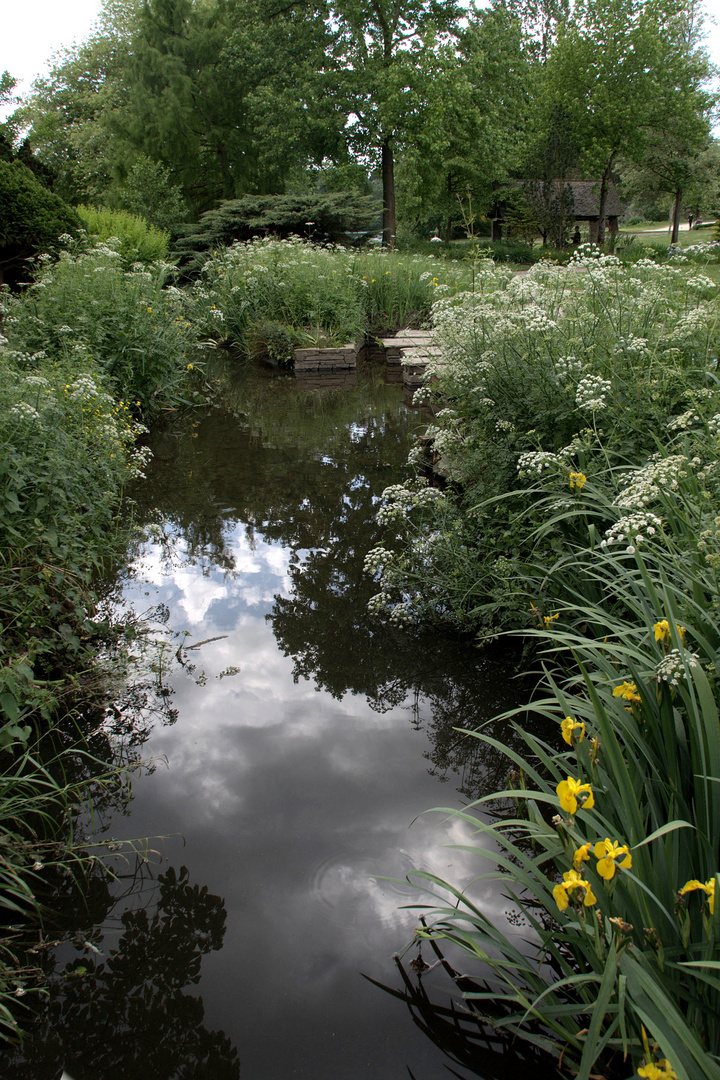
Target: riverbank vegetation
159, 195
579, 432
86, 353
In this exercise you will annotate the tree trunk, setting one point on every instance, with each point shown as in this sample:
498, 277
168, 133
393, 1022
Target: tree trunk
675, 234
602, 209
388, 183
448, 226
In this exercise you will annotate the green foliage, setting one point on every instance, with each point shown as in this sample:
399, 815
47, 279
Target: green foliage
148, 191
299, 292
249, 286
528, 366
134, 324
138, 240
323, 217
630, 657
31, 217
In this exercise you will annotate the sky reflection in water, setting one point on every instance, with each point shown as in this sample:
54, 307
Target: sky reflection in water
292, 784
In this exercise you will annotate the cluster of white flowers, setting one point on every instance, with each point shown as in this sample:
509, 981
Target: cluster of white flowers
36, 380
25, 412
377, 559
504, 425
686, 420
138, 460
535, 463
566, 366
632, 346
674, 667
701, 282
399, 500
591, 392
634, 529
84, 387
710, 248
647, 484
401, 614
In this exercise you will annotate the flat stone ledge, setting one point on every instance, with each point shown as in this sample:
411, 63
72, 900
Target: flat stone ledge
337, 358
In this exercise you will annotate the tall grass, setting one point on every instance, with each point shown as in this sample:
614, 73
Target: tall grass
625, 952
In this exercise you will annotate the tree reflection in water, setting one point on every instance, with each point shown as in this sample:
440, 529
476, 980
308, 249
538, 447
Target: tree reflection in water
305, 473
127, 1014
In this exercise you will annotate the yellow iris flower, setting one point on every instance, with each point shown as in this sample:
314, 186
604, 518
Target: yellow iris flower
568, 726
708, 887
610, 854
581, 855
569, 791
658, 1070
628, 691
572, 880
662, 631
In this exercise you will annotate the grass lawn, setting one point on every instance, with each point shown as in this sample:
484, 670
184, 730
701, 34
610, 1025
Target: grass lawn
658, 232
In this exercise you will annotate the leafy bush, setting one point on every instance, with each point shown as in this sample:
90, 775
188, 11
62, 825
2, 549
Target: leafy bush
300, 285
399, 290
325, 217
133, 323
530, 368
149, 192
67, 452
31, 218
321, 295
138, 241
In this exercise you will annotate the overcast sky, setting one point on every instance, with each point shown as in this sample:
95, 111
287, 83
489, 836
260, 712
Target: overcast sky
31, 31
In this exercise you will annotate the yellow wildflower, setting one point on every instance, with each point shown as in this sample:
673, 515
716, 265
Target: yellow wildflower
572, 880
568, 726
570, 790
628, 691
708, 887
658, 1070
610, 854
577, 480
581, 855
547, 619
662, 630
190, 367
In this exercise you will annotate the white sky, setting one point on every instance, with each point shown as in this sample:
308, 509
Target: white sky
31, 31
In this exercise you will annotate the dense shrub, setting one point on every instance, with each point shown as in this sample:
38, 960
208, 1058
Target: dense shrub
327, 218
137, 240
315, 294
134, 323
531, 368
31, 218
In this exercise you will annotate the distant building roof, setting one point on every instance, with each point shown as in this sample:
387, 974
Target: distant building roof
586, 197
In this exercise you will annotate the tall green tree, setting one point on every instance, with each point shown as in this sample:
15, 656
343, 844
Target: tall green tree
620, 67
475, 127
70, 112
388, 53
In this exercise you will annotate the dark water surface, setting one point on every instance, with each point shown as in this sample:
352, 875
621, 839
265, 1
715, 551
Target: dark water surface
294, 743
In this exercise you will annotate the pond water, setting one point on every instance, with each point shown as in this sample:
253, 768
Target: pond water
294, 743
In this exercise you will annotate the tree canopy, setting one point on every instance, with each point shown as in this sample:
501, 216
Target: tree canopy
174, 106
